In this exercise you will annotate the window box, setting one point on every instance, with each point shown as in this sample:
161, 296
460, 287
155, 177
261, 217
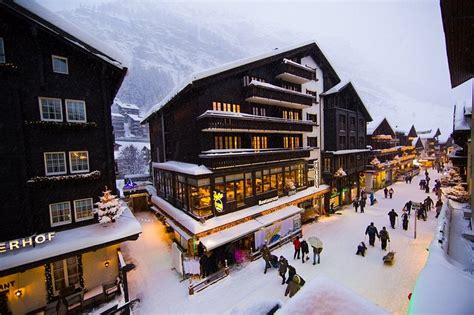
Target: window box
46, 180
54, 125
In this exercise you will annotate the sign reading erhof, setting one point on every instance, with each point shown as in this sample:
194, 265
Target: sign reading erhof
34, 240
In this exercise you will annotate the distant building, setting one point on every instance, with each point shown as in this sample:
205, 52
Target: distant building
118, 122
125, 108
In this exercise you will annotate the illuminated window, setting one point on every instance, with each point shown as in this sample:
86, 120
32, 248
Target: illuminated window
259, 142
65, 273
227, 142
60, 213
51, 109
83, 209
79, 161
55, 163
60, 64
291, 142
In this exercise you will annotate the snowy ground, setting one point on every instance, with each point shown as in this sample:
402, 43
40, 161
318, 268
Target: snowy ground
161, 290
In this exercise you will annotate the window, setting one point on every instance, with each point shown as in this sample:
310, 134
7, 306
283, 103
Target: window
75, 111
60, 64
352, 123
65, 273
342, 122
327, 165
342, 141
83, 209
291, 86
248, 185
313, 142
226, 107
79, 161
2, 51
352, 141
248, 79
259, 142
259, 111
55, 163
60, 213
227, 142
291, 115
309, 92
291, 142
51, 109
312, 117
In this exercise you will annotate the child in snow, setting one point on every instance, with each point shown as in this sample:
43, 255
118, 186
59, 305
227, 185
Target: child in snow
361, 248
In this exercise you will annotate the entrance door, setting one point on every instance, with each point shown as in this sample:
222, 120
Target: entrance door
4, 309
139, 202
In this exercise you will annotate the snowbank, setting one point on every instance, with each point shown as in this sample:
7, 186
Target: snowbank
323, 295
259, 308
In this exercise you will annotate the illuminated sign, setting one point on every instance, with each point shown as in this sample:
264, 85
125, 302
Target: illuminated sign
26, 242
7, 285
218, 201
264, 201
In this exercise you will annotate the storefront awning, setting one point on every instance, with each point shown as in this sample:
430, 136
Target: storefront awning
228, 235
180, 231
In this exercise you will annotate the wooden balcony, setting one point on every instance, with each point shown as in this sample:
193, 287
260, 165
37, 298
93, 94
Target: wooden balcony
295, 73
264, 93
212, 121
216, 159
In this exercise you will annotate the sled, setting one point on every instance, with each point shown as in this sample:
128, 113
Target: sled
388, 259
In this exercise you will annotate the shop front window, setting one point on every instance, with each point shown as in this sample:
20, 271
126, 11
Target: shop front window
266, 180
230, 193
248, 185
280, 183
65, 274
239, 191
200, 196
258, 182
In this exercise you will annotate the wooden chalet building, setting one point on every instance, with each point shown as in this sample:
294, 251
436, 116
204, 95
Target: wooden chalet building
461, 135
389, 159
431, 147
232, 149
56, 152
345, 151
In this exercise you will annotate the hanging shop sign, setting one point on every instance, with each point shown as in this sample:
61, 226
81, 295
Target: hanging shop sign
218, 201
265, 201
26, 242
7, 285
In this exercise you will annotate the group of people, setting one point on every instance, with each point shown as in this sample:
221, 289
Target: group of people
301, 247
388, 192
408, 178
362, 201
383, 236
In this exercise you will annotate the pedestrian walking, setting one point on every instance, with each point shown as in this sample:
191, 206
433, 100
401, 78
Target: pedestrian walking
429, 203
405, 221
304, 251
393, 216
408, 207
297, 246
385, 192
384, 237
372, 198
410, 178
390, 192
317, 252
291, 273
372, 231
427, 189
362, 205
282, 268
266, 255
361, 248
355, 204
439, 205
406, 179
422, 184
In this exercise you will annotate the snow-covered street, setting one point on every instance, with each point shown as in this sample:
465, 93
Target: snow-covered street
161, 290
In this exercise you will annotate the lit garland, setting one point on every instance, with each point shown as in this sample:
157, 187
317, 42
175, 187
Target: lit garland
49, 283
9, 67
79, 267
48, 179
55, 125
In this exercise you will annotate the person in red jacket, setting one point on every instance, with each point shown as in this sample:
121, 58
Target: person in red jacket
297, 245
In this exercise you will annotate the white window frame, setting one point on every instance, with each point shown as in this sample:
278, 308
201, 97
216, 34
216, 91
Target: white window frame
46, 164
65, 275
41, 108
2, 51
59, 57
70, 162
63, 222
75, 210
67, 113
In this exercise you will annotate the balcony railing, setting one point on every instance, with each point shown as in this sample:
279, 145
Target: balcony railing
264, 93
240, 122
215, 159
295, 73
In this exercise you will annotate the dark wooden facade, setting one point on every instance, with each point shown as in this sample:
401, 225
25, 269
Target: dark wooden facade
188, 126
26, 76
345, 128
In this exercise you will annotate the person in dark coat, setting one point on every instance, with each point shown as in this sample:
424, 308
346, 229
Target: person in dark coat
355, 204
362, 205
429, 203
393, 216
297, 246
390, 192
282, 268
408, 206
385, 192
372, 232
266, 255
304, 250
422, 184
405, 221
427, 189
361, 248
372, 198
439, 205
200, 249
291, 273
204, 264
294, 286
317, 252
384, 237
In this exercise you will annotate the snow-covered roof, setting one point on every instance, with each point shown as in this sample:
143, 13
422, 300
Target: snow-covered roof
299, 65
323, 295
197, 227
425, 134
338, 87
73, 34
73, 240
228, 235
184, 168
126, 105
117, 115
462, 122
371, 126
134, 117
341, 152
228, 66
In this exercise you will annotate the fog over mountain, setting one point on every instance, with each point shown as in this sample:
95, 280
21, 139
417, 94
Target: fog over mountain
399, 71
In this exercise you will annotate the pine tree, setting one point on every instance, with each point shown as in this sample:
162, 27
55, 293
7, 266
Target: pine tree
109, 207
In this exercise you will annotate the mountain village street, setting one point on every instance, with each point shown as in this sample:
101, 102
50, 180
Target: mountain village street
162, 291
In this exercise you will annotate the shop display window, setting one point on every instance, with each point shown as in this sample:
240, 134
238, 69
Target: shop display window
266, 181
258, 182
248, 185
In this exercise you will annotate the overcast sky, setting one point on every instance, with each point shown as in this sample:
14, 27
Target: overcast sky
402, 41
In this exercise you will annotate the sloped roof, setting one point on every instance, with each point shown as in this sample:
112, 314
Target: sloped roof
462, 121
240, 65
412, 132
379, 124
337, 88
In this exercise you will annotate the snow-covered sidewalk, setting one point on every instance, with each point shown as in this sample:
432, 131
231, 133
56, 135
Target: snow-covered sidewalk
161, 291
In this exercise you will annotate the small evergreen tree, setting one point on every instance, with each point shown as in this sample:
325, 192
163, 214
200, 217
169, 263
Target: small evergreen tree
108, 208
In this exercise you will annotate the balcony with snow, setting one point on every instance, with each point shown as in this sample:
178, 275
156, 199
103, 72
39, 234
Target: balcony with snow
269, 94
294, 72
212, 121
